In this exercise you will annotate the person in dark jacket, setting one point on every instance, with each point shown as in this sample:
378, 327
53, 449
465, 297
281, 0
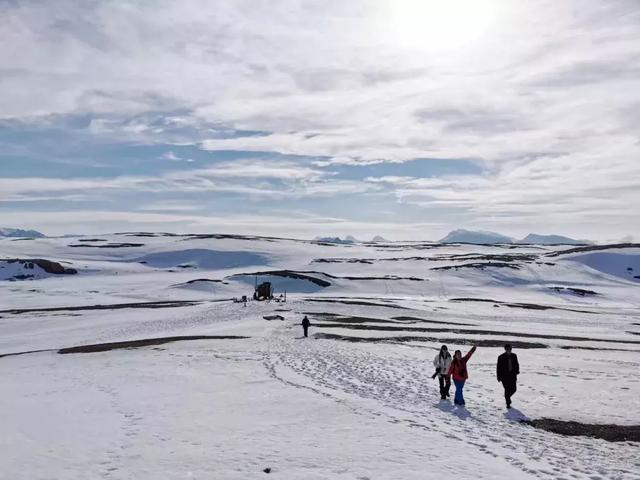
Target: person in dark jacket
459, 373
507, 371
305, 326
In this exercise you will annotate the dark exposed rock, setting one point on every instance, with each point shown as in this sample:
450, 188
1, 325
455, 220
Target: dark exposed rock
593, 248
499, 257
46, 265
404, 339
608, 432
115, 306
577, 291
204, 280
479, 265
109, 245
354, 302
424, 320
21, 277
466, 331
104, 347
291, 274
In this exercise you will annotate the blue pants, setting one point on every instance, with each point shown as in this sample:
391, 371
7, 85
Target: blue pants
458, 399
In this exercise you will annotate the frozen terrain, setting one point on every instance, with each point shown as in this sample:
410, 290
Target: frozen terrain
173, 379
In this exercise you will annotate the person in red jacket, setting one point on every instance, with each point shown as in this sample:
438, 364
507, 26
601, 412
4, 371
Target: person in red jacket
459, 373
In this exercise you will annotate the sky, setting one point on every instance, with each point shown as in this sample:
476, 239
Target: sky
400, 118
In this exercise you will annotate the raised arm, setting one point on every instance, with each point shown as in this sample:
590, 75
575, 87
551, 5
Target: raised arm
469, 353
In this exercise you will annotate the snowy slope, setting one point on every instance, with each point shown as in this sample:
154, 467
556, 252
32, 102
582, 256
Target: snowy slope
621, 264
355, 400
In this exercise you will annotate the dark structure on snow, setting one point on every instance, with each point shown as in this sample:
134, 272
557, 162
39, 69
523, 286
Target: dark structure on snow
264, 291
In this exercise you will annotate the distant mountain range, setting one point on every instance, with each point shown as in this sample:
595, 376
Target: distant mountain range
482, 237
348, 239
18, 233
334, 240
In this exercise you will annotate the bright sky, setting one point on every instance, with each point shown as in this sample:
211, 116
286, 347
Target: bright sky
403, 118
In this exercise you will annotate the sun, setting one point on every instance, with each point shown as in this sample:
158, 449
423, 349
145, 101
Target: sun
440, 24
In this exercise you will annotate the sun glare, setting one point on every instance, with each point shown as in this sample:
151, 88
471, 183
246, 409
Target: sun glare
440, 24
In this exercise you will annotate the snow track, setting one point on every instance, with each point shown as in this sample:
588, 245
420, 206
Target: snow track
394, 382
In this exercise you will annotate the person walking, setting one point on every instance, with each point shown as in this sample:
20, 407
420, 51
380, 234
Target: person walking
507, 371
459, 373
442, 362
305, 326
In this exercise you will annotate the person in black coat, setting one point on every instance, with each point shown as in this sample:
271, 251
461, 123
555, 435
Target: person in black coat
507, 371
305, 325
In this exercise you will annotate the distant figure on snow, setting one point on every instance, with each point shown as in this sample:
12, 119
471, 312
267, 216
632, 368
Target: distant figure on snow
459, 373
507, 371
442, 362
305, 326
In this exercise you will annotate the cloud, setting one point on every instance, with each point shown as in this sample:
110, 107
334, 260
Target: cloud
545, 100
253, 178
170, 155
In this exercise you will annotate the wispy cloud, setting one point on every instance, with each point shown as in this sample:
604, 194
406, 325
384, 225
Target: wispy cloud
170, 155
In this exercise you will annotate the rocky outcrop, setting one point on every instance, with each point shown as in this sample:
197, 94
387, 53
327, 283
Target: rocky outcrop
46, 265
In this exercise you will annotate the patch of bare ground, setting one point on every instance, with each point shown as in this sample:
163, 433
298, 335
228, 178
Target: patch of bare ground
479, 265
530, 306
334, 317
424, 320
147, 234
105, 347
196, 280
108, 245
344, 260
608, 432
337, 317
354, 302
467, 331
412, 246
499, 257
13, 354
576, 291
115, 306
593, 248
410, 338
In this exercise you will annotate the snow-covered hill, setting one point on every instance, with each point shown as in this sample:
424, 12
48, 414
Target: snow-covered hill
479, 237
142, 364
343, 241
536, 239
18, 233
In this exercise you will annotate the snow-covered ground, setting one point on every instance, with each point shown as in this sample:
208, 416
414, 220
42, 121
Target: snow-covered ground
354, 401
